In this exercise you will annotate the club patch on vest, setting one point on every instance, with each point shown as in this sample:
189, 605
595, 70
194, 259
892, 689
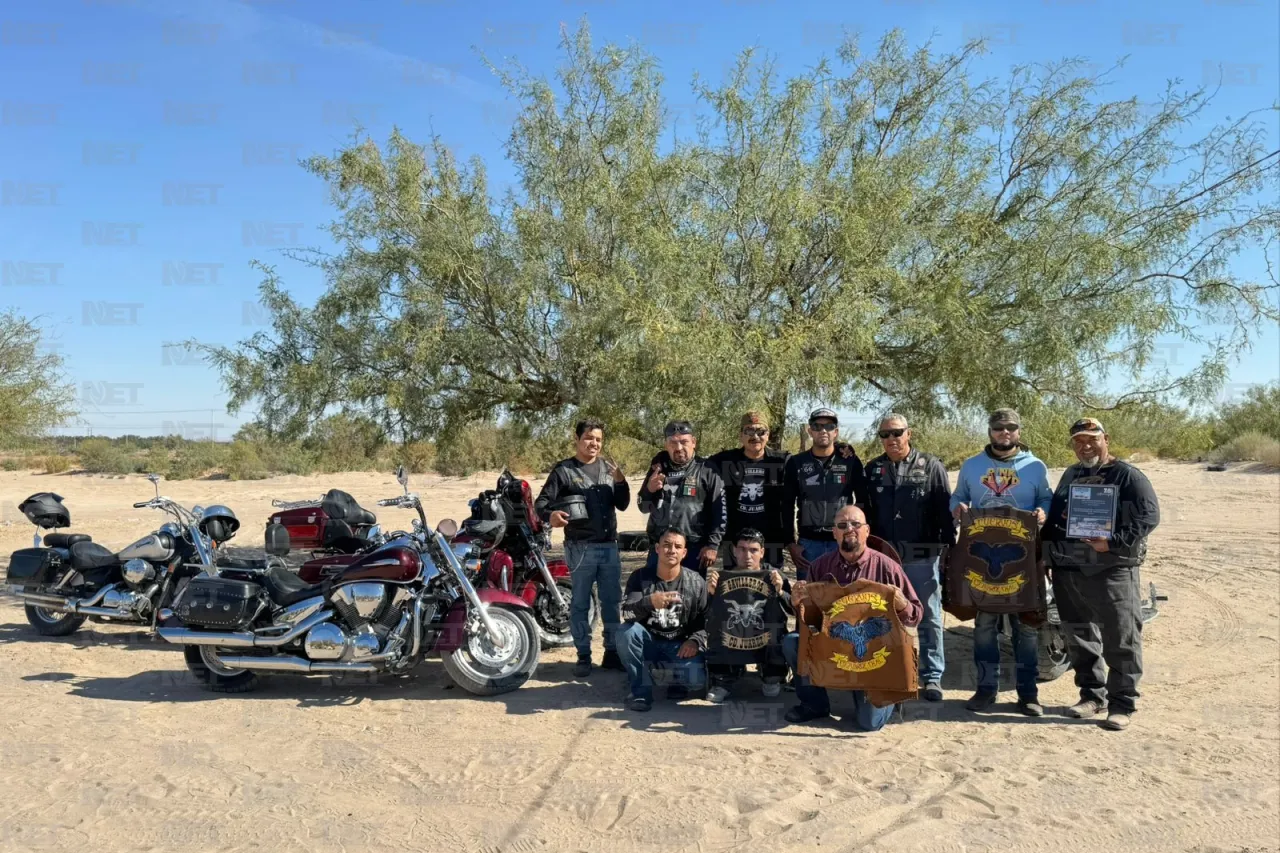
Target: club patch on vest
859, 634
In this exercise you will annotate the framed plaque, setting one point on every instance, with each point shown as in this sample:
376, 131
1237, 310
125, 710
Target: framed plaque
1091, 511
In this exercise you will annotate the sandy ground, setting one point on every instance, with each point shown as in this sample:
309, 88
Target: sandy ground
107, 741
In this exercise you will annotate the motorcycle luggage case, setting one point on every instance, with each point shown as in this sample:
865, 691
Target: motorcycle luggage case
304, 525
219, 603
33, 566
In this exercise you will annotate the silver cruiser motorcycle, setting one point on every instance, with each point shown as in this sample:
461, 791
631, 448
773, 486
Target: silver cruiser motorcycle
72, 578
381, 611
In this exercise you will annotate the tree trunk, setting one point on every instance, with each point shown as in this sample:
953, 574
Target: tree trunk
777, 418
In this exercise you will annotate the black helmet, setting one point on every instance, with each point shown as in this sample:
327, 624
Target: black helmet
219, 523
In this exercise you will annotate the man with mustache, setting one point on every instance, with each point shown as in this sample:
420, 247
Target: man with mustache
910, 499
1095, 581
852, 561
1005, 473
752, 476
684, 493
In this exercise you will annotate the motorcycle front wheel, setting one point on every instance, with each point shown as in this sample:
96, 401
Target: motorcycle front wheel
553, 625
485, 669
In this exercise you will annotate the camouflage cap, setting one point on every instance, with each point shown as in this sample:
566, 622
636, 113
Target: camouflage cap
754, 419
1004, 416
1088, 426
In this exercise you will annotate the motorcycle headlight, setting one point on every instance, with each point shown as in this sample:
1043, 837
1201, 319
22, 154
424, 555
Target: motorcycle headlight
373, 532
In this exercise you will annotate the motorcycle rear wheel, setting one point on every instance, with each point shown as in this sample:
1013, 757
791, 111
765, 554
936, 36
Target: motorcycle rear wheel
555, 633
217, 678
50, 624
478, 668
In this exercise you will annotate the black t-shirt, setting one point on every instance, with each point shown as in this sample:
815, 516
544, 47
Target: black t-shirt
753, 490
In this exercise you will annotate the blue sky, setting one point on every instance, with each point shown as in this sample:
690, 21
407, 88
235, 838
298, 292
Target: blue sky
150, 147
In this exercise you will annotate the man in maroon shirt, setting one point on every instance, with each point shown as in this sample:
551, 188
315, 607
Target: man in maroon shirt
854, 561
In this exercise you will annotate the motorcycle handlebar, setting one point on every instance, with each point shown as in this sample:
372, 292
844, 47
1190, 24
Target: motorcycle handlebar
389, 502
142, 505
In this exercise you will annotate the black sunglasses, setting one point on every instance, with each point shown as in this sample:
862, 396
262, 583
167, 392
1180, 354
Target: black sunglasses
1004, 427
824, 427
850, 525
756, 432
891, 433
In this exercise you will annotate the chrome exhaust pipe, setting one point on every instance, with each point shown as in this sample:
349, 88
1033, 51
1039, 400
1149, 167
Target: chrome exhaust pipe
241, 639
292, 664
62, 604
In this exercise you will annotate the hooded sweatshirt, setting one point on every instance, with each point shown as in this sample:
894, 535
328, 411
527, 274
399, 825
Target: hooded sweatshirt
1021, 481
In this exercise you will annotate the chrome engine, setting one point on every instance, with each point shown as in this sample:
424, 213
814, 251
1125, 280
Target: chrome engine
367, 613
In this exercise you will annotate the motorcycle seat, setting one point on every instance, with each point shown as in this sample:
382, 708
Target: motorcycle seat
286, 588
340, 505
65, 540
86, 556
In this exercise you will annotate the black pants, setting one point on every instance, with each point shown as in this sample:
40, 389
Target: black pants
1102, 622
769, 662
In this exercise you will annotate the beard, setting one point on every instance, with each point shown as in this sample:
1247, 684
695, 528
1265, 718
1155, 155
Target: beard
1003, 445
1091, 461
850, 544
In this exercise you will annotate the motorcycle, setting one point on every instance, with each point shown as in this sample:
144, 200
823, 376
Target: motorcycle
514, 542
72, 578
334, 524
381, 612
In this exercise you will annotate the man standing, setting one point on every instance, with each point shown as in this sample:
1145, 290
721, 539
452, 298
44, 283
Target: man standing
683, 492
1005, 473
910, 499
752, 476
1095, 581
852, 561
820, 481
590, 545
666, 614
749, 551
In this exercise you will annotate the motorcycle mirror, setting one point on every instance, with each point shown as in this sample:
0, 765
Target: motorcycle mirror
402, 477
448, 528
155, 481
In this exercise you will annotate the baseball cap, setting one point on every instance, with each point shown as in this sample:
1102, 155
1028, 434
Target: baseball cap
754, 419
1088, 426
818, 414
674, 428
1004, 416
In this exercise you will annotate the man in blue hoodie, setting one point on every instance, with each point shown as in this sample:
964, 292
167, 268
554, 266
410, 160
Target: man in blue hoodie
1005, 473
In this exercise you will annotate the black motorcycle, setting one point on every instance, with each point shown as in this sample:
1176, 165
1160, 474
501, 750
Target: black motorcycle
72, 578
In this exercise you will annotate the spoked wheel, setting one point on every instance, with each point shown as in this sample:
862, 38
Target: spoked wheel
203, 663
485, 668
50, 623
553, 624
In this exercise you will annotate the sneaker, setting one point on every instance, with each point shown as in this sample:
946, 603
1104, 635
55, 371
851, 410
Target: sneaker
981, 701
717, 694
677, 693
1084, 709
933, 692
582, 668
771, 689
1116, 720
803, 714
1030, 708
636, 703
611, 661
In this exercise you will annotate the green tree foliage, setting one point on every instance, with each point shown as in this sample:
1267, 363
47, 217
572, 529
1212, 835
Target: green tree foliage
33, 393
879, 229
1258, 412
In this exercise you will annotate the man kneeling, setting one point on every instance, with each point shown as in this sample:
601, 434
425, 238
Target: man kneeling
665, 614
748, 553
853, 561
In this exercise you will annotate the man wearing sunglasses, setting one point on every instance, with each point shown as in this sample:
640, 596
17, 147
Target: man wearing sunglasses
683, 493
852, 560
752, 476
910, 508
1005, 473
818, 483
1095, 581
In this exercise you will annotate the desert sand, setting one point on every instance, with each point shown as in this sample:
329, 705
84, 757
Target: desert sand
108, 744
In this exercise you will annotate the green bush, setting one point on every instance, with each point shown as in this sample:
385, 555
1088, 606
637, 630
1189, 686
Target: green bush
11, 464
195, 459
1249, 447
56, 464
243, 463
100, 456
156, 461
1259, 412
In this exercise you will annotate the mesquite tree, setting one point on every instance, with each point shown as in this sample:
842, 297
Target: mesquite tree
883, 229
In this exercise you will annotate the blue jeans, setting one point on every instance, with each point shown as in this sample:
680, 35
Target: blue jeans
986, 654
923, 575
638, 649
813, 549
866, 716
593, 563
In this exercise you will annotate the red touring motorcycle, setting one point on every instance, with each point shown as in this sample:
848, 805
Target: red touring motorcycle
331, 525
514, 542
381, 612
